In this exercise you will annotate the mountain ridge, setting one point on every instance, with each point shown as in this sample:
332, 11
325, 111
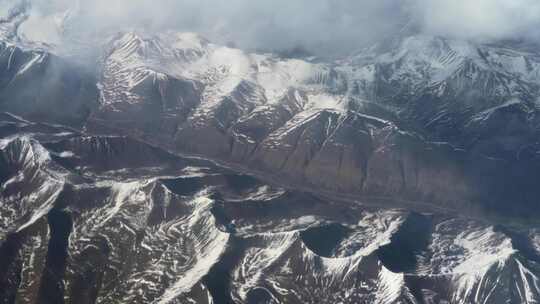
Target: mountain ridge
379, 178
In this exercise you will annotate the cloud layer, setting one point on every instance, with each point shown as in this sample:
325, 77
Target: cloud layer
321, 26
479, 19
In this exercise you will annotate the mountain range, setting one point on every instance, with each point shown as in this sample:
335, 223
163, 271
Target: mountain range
171, 169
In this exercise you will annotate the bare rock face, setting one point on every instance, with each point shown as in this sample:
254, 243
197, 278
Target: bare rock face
166, 103
250, 130
325, 141
138, 100
214, 120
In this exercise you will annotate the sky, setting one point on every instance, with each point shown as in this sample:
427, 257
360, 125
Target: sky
480, 19
318, 26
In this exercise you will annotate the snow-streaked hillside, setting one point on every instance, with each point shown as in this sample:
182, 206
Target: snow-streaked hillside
109, 219
407, 173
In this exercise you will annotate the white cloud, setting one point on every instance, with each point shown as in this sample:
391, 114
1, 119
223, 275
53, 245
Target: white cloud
43, 28
321, 26
484, 19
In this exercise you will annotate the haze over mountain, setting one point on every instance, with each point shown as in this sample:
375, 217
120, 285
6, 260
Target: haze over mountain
323, 27
269, 151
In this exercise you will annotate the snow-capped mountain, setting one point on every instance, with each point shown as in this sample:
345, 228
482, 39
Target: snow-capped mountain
176, 170
431, 117
108, 219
